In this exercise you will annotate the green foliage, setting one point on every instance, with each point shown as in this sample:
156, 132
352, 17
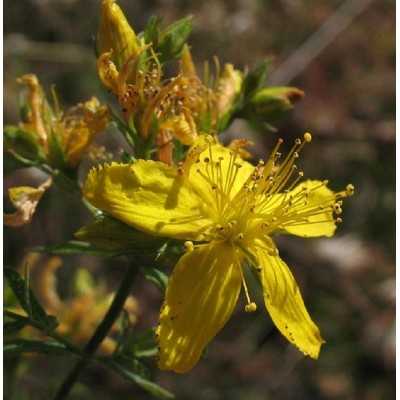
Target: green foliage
168, 42
156, 276
139, 380
27, 300
255, 79
18, 346
22, 145
109, 234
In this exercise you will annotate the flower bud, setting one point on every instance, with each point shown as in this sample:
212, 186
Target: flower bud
115, 34
228, 87
270, 103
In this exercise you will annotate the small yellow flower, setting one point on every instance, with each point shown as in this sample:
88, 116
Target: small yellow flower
231, 209
78, 127
73, 129
216, 96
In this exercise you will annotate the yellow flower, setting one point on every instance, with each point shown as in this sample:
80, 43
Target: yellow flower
78, 127
73, 130
216, 96
231, 209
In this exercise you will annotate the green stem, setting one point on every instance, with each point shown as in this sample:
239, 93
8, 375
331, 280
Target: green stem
100, 333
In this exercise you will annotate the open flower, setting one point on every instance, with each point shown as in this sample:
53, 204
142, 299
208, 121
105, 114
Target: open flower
231, 209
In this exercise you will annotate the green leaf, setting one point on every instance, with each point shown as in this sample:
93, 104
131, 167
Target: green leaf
27, 299
56, 153
144, 383
22, 143
128, 132
255, 79
152, 31
173, 38
12, 327
142, 345
156, 276
110, 234
18, 346
75, 247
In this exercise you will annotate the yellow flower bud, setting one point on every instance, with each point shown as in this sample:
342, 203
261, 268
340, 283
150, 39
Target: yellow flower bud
115, 34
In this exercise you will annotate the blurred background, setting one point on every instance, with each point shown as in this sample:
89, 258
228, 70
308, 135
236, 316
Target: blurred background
342, 54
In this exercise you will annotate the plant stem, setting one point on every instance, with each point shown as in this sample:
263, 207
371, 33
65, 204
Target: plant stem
100, 333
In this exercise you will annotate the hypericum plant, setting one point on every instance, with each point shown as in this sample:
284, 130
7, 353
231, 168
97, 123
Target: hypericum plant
178, 195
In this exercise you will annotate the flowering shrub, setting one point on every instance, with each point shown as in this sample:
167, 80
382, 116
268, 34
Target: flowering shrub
177, 191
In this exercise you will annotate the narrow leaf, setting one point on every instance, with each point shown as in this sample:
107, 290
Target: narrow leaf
12, 327
255, 79
156, 276
145, 384
75, 247
27, 299
34, 346
173, 38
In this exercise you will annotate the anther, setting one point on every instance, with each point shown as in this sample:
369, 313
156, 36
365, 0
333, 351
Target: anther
240, 236
307, 137
251, 307
339, 220
297, 141
206, 160
189, 246
349, 189
337, 208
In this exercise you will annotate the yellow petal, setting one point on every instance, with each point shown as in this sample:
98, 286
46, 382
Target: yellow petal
36, 102
322, 222
79, 126
25, 199
285, 305
148, 195
108, 72
201, 295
